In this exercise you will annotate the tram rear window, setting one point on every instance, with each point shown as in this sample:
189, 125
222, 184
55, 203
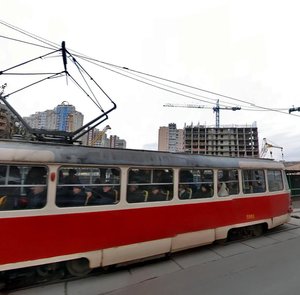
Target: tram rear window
87, 186
253, 181
195, 183
23, 187
149, 185
275, 181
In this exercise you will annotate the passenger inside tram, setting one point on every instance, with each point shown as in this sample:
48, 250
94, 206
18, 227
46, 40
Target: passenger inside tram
222, 189
10, 180
36, 194
80, 197
110, 193
136, 195
36, 175
2, 201
185, 192
37, 197
157, 194
71, 178
205, 191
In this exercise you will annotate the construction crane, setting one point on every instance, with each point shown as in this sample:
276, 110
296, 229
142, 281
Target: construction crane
293, 109
216, 109
99, 135
267, 146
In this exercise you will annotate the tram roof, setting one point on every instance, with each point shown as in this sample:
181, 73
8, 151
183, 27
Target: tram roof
12, 150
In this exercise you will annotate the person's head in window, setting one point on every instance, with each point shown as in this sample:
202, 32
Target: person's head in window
37, 189
205, 190
37, 175
132, 188
37, 197
155, 190
77, 190
106, 188
72, 177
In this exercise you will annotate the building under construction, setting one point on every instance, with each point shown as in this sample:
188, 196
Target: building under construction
234, 141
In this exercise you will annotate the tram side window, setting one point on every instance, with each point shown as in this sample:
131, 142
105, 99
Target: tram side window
228, 182
253, 181
195, 183
23, 187
275, 181
87, 186
149, 185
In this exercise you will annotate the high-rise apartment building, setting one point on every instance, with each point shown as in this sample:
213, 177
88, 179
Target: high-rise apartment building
116, 143
63, 118
163, 138
68, 119
170, 138
6, 122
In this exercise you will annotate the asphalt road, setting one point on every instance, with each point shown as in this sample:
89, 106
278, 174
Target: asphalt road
269, 270
296, 203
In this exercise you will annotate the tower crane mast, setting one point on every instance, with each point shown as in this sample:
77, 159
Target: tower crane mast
216, 109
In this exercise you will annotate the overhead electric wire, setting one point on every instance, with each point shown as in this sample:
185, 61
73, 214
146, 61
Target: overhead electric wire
94, 99
27, 74
150, 75
156, 86
212, 100
248, 107
139, 73
26, 62
34, 83
25, 42
33, 36
200, 89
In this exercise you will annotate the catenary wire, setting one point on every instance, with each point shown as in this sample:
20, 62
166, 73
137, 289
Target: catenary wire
252, 107
136, 72
279, 110
25, 42
33, 36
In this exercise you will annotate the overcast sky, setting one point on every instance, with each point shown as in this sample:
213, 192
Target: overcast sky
246, 50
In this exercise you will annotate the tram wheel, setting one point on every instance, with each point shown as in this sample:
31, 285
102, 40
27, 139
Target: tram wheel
2, 285
47, 269
258, 230
78, 267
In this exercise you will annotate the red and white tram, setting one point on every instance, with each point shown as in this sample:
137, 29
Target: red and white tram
92, 207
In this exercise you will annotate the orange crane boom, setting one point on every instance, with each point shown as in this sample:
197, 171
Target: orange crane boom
99, 135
